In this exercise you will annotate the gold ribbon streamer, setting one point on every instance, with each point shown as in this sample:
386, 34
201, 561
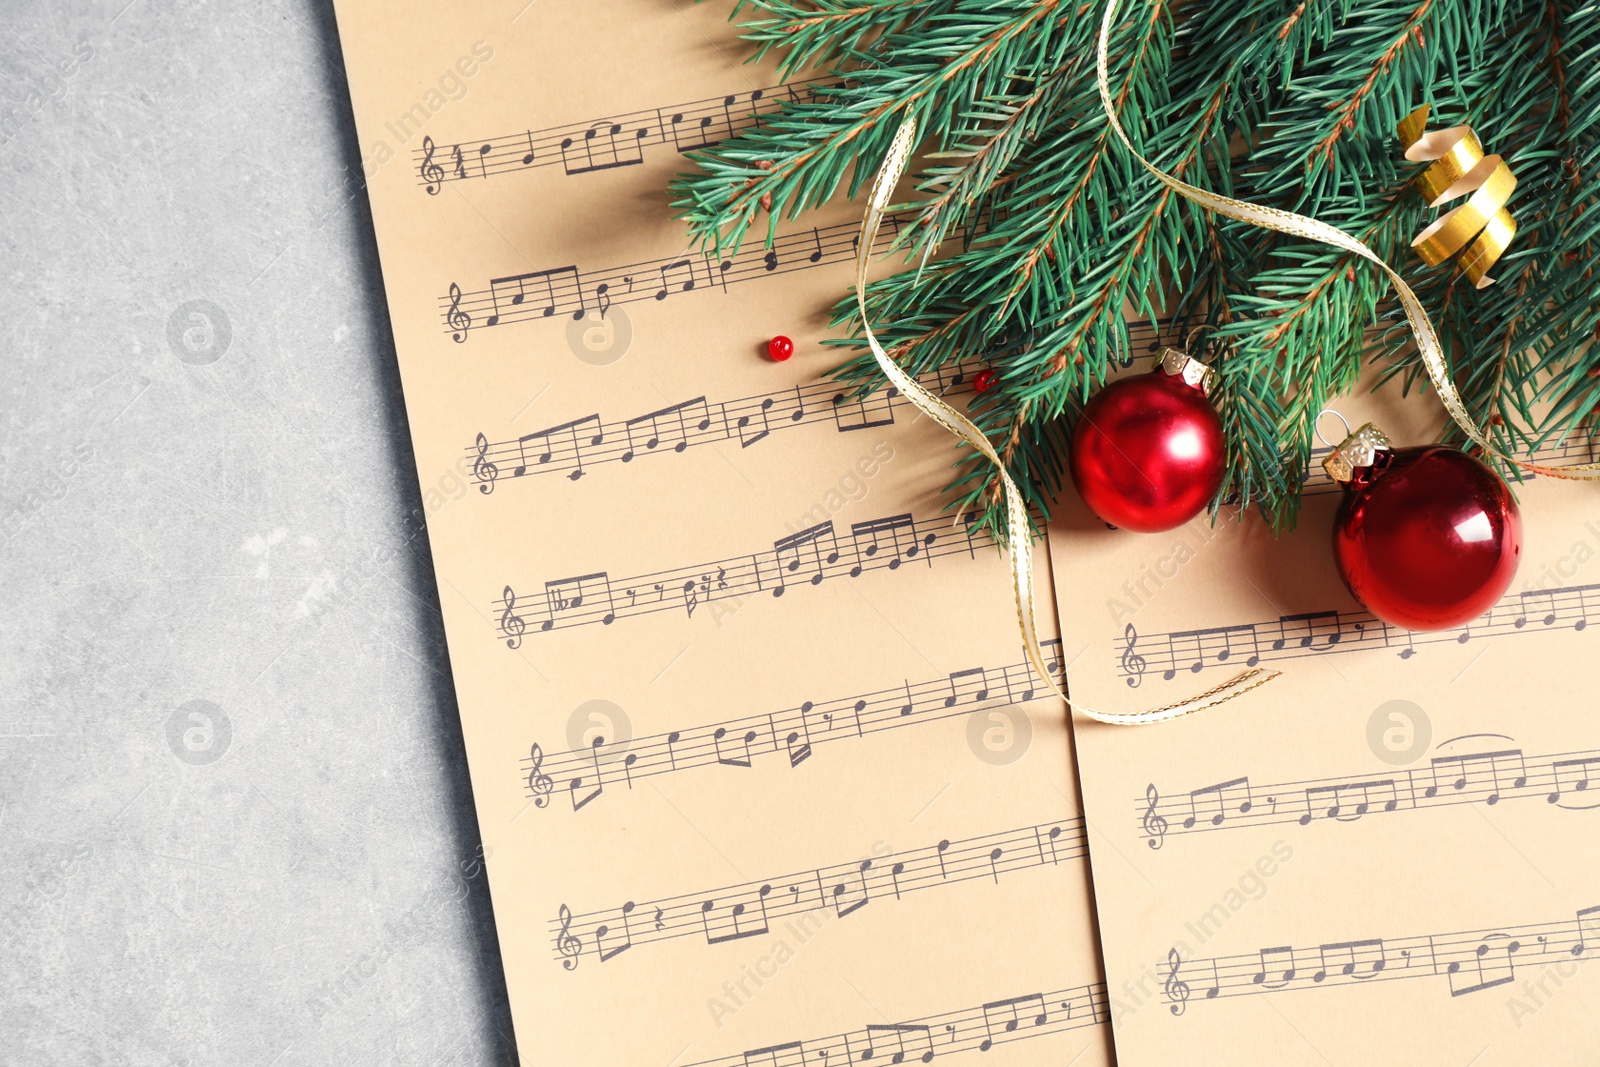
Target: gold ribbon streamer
1460, 167
1019, 536
1428, 345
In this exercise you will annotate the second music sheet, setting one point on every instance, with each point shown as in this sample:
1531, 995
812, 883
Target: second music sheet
1384, 855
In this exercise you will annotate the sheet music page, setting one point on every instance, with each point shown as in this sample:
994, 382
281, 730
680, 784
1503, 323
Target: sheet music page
1386, 855
760, 769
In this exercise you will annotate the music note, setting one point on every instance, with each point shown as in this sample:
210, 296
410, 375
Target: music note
601, 150
527, 159
868, 539
618, 945
736, 760
788, 1054
1279, 962
852, 895
512, 625
1155, 826
501, 287
899, 1031
483, 157
805, 549
1311, 620
1461, 771
1361, 959
725, 923
1133, 664
576, 786
1577, 774
570, 946
432, 174
746, 440
864, 412
568, 432
1239, 788
1336, 807
1010, 1009
457, 319
670, 425
684, 265
566, 596
1491, 963
971, 685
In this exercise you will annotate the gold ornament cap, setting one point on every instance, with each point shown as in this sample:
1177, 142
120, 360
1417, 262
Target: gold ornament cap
1179, 364
1358, 451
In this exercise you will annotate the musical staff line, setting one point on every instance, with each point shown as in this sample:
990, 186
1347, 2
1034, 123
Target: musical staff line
1566, 780
1321, 633
572, 292
789, 737
975, 1029
572, 447
1472, 961
753, 909
810, 557
608, 142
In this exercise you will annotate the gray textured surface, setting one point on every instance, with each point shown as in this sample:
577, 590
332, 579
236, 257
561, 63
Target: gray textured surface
235, 824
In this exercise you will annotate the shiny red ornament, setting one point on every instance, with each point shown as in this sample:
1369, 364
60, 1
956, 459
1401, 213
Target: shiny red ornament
1148, 452
780, 348
1426, 538
982, 380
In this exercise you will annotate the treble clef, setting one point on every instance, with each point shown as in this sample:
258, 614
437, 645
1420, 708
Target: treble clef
539, 783
1132, 663
458, 319
483, 469
1154, 824
511, 624
566, 943
1176, 989
431, 172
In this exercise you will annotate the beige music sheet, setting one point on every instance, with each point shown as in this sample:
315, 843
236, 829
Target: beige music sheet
761, 773
1385, 855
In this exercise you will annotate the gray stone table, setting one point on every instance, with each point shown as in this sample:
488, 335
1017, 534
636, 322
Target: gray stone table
235, 823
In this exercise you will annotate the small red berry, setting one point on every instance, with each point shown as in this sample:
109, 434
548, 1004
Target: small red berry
982, 381
780, 348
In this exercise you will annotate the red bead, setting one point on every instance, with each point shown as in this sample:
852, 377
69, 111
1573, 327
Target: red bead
1148, 452
780, 348
982, 380
1431, 541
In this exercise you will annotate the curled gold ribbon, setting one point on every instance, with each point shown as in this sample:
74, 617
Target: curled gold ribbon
1460, 167
1019, 535
1428, 345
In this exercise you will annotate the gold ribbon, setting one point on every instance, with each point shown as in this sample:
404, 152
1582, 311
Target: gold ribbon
1269, 218
1019, 535
1460, 167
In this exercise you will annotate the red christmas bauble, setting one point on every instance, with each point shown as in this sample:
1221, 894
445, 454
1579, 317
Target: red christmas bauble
1148, 452
982, 380
780, 348
1426, 538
